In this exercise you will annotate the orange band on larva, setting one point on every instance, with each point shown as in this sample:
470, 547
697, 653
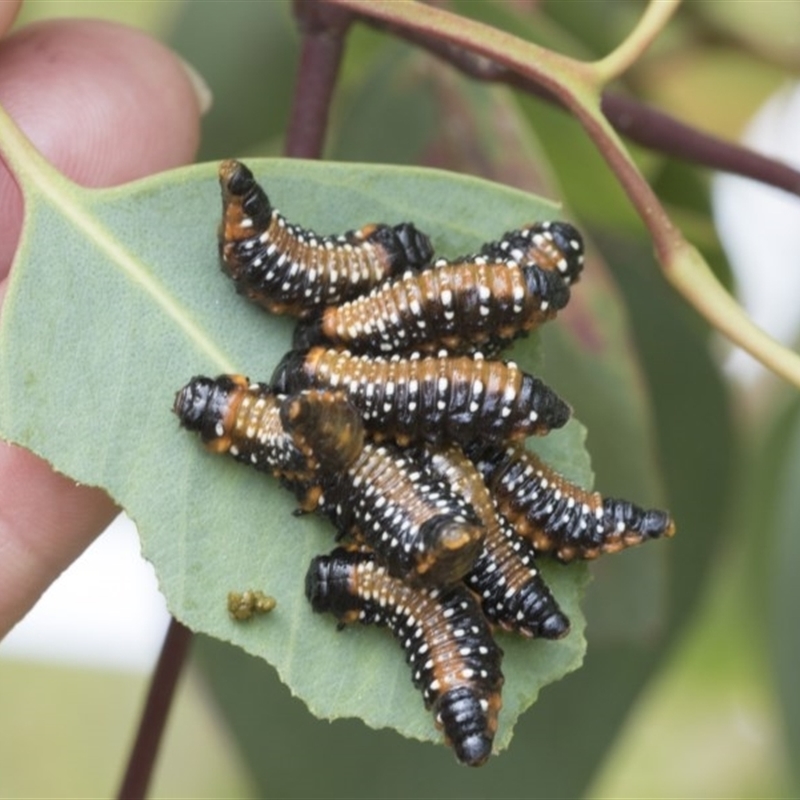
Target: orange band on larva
466, 307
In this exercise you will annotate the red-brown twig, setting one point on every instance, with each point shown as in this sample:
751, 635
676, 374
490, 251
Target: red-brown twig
142, 758
631, 118
323, 31
578, 86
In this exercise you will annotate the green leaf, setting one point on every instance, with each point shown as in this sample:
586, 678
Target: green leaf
117, 300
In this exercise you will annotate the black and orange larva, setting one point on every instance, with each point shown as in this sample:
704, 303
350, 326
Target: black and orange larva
419, 528
512, 592
433, 399
454, 660
551, 245
314, 442
559, 517
234, 416
241, 418
476, 305
289, 270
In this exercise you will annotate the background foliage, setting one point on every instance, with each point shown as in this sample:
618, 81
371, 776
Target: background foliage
687, 686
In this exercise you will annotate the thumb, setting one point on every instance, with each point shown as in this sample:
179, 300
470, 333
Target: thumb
105, 104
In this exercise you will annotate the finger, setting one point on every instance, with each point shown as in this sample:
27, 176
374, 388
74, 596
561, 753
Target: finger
46, 521
8, 12
104, 104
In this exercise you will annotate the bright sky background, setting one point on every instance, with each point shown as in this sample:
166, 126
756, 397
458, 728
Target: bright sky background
105, 610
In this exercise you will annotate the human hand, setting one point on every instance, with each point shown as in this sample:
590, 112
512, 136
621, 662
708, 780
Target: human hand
105, 104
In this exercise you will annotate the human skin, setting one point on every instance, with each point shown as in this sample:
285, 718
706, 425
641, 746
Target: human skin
105, 104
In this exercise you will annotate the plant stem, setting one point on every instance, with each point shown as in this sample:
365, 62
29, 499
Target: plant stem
658, 131
631, 118
154, 716
561, 75
575, 85
692, 277
324, 29
649, 26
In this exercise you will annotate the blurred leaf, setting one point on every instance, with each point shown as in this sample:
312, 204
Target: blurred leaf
783, 587
599, 27
388, 111
153, 17
132, 307
717, 90
528, 20
246, 53
698, 450
768, 28
684, 185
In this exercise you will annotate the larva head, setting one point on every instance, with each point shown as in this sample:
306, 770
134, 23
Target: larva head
408, 247
328, 585
307, 333
207, 405
566, 246
549, 285
289, 376
325, 425
245, 205
449, 547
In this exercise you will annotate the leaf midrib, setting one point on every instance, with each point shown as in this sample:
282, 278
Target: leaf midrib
40, 181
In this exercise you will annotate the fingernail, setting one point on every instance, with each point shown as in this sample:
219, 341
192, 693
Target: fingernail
205, 99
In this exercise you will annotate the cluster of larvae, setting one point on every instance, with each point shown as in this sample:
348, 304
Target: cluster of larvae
394, 417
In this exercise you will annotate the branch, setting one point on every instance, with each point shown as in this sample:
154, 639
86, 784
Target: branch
578, 87
630, 117
159, 699
650, 25
659, 131
323, 30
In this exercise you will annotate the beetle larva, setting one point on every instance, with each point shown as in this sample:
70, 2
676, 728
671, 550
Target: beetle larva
454, 660
479, 305
434, 399
289, 270
556, 515
513, 594
243, 419
418, 527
